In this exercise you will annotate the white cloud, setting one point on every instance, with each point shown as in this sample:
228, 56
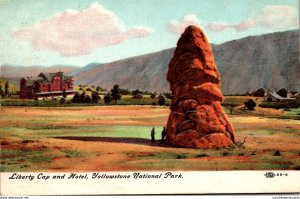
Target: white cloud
274, 17
278, 17
179, 26
73, 33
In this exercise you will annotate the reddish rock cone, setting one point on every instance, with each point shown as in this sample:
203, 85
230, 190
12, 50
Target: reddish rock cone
197, 119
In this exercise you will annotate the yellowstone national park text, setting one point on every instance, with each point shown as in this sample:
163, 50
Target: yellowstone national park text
87, 176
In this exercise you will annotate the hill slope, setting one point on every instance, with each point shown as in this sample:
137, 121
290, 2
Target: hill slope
270, 61
146, 72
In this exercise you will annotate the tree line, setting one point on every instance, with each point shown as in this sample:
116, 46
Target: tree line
114, 95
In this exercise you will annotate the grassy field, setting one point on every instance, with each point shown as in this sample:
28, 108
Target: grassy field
125, 100
117, 138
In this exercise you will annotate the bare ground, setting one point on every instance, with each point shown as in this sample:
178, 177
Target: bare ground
115, 138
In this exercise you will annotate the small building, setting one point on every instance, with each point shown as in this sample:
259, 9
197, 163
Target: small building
259, 93
297, 96
138, 96
274, 97
46, 85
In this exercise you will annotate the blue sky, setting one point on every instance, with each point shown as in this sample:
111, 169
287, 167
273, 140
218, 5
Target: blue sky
78, 32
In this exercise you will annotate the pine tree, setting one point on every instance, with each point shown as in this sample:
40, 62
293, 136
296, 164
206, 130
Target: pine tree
6, 88
115, 93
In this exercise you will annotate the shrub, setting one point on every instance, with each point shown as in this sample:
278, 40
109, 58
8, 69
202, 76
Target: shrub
180, 157
87, 99
135, 92
168, 95
250, 104
161, 100
62, 100
76, 98
277, 153
95, 97
82, 97
99, 88
202, 155
107, 98
125, 92
153, 95
279, 105
226, 153
64, 94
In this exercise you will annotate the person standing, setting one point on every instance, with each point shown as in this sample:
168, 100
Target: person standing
231, 109
153, 135
163, 134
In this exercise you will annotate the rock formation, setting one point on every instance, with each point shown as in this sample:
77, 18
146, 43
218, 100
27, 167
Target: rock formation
197, 119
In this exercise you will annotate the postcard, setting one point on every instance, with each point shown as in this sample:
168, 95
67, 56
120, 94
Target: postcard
149, 97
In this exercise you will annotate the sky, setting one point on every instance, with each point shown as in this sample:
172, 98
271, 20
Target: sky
79, 32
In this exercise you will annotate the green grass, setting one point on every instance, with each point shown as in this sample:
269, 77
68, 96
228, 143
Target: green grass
100, 131
36, 132
132, 132
75, 154
19, 160
239, 100
294, 113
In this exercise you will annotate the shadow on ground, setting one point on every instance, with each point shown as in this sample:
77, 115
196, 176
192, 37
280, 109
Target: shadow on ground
140, 141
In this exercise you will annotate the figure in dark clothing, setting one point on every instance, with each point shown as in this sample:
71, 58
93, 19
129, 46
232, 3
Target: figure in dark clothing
153, 135
163, 134
231, 109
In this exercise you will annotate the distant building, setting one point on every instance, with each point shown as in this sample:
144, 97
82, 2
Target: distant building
259, 93
46, 85
274, 97
297, 95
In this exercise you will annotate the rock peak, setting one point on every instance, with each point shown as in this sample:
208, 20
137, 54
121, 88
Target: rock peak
192, 34
197, 119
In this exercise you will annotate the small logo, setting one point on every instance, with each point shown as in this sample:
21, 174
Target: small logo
270, 175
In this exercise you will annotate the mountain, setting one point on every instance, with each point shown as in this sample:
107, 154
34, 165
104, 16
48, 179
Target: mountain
85, 68
13, 73
146, 72
268, 61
